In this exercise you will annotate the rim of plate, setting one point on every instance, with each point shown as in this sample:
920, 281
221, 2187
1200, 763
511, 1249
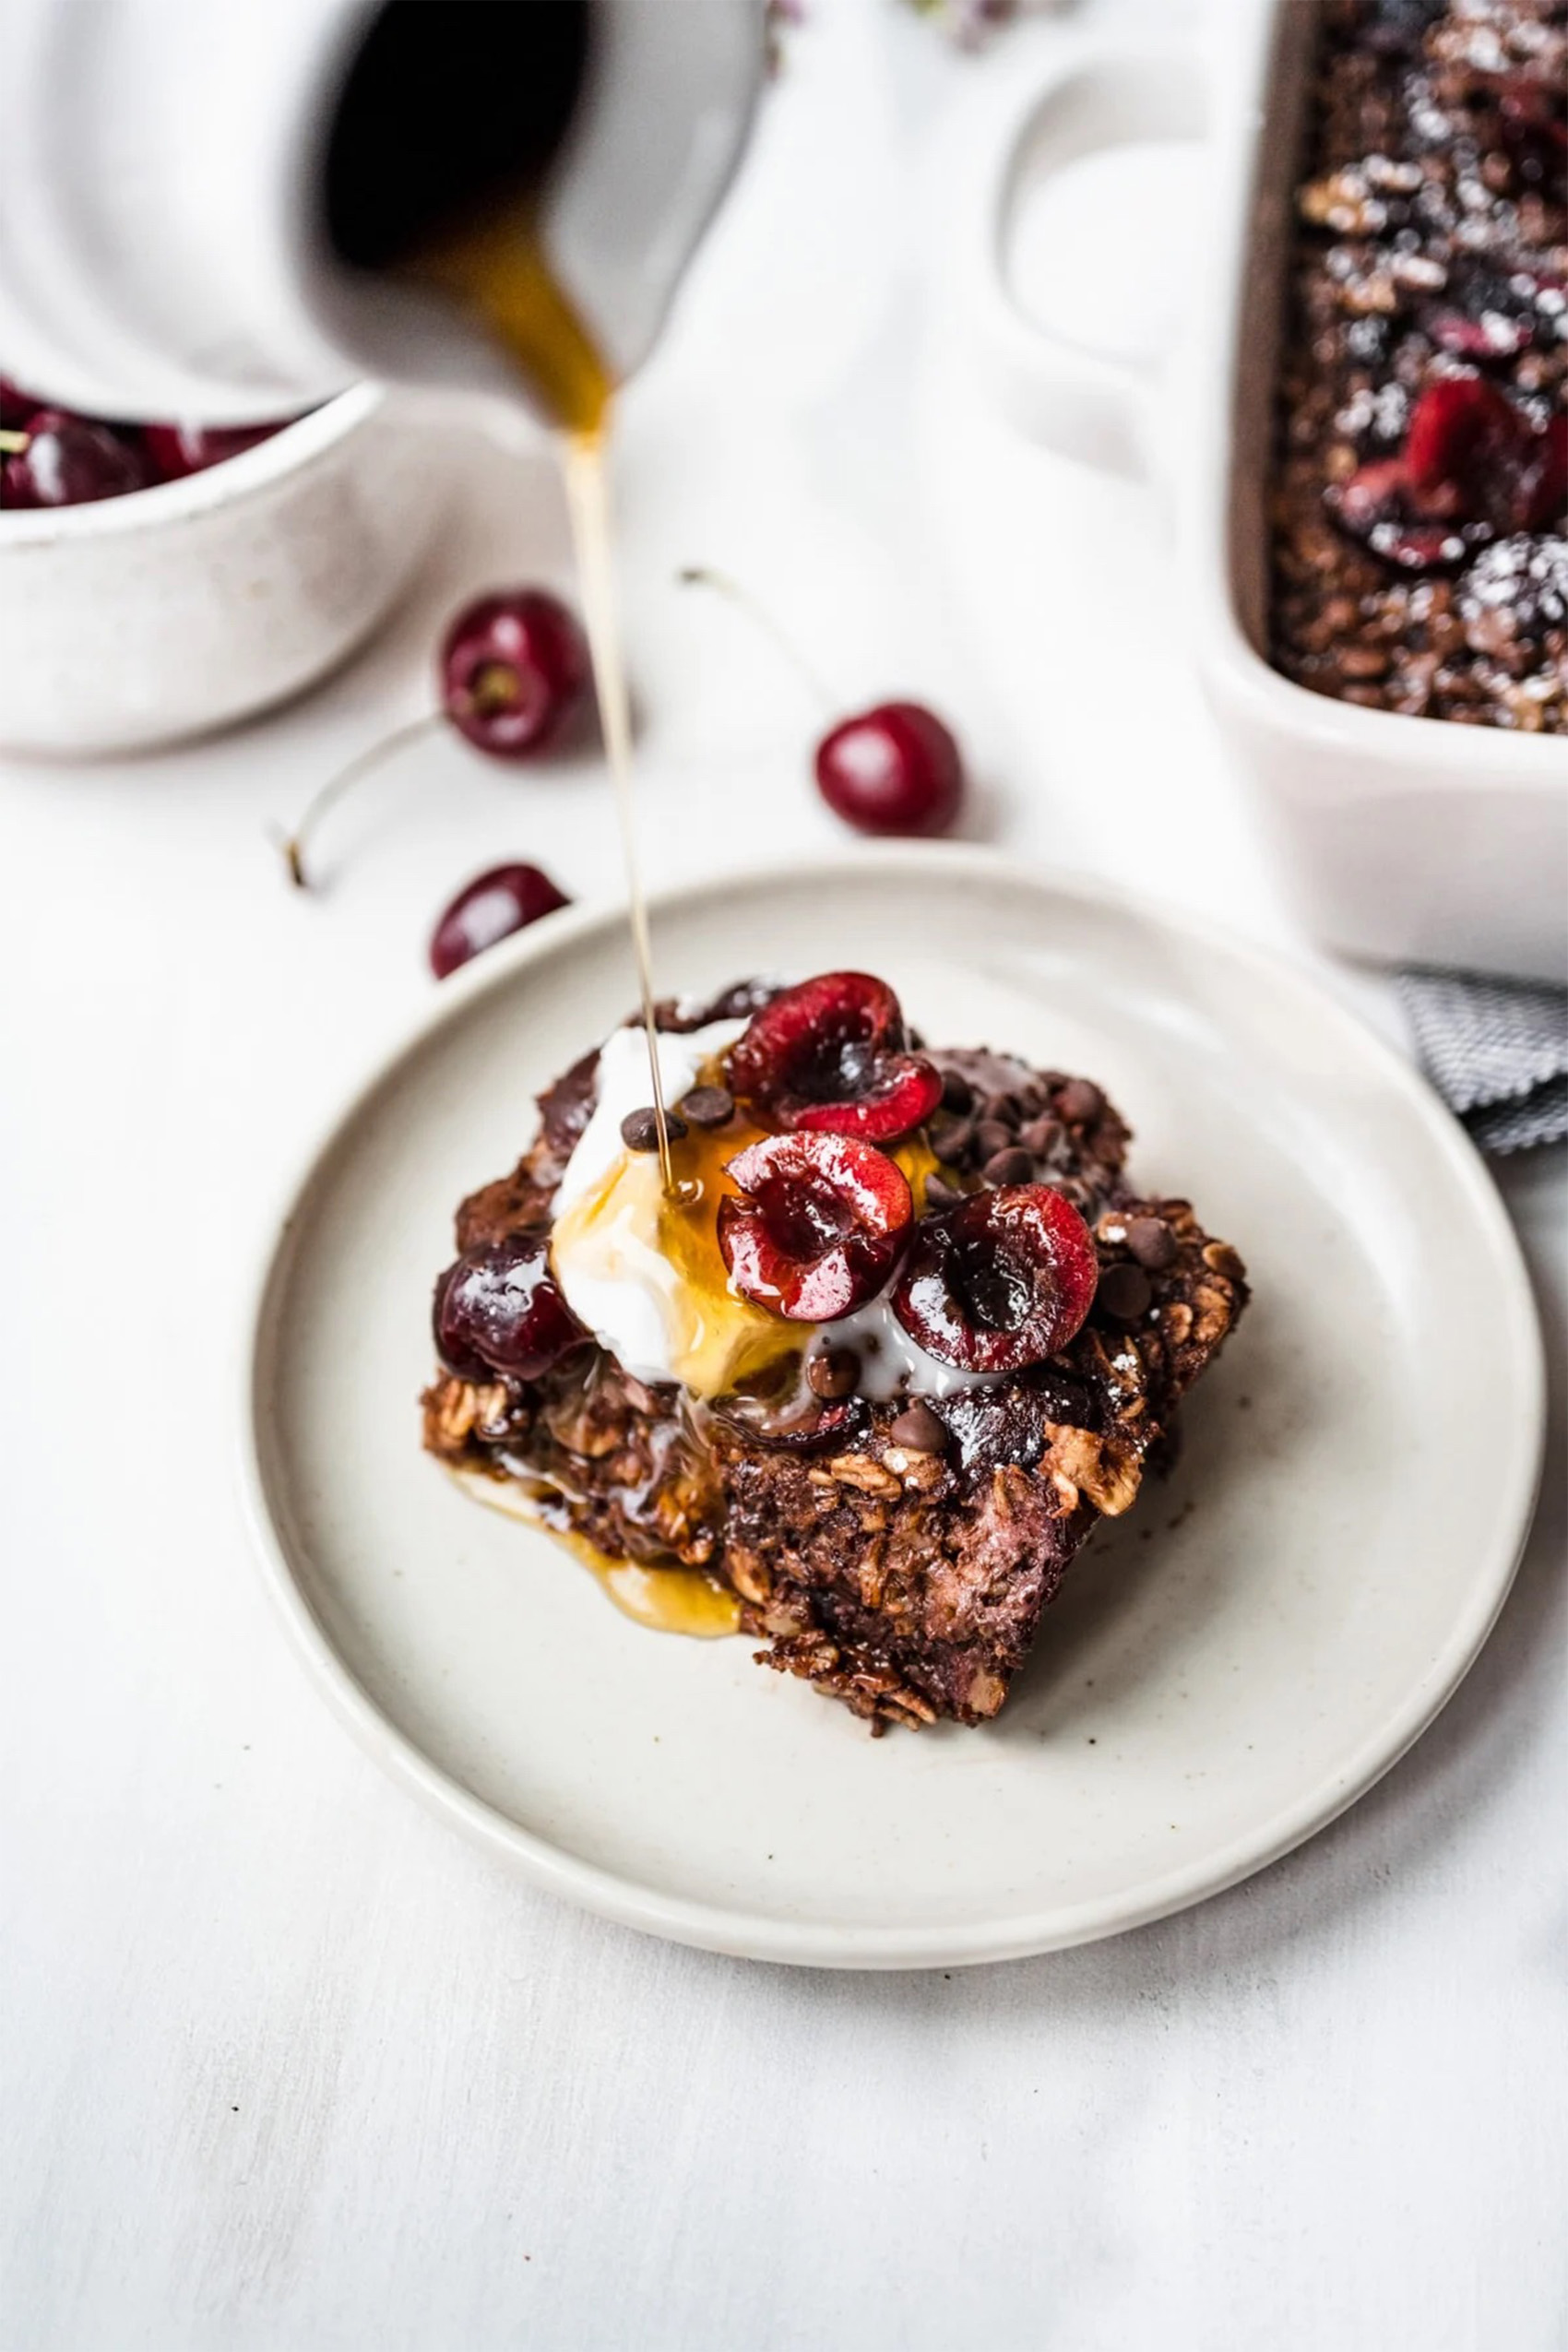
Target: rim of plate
755, 1935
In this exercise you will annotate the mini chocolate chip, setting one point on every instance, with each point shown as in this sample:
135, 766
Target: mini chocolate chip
708, 1106
834, 1373
1124, 1294
951, 1139
939, 1195
639, 1129
1042, 1134
919, 1428
1151, 1241
991, 1135
1003, 1108
1079, 1102
1012, 1166
957, 1092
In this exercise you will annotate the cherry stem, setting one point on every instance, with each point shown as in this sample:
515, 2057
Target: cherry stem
703, 576
293, 845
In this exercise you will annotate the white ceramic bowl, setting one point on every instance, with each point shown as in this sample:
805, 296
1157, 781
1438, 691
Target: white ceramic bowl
1403, 838
133, 621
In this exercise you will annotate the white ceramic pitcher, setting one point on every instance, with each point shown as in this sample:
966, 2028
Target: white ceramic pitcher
162, 183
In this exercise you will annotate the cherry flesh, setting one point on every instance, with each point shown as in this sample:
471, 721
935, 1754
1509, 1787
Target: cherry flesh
490, 907
1002, 1280
831, 1057
1473, 466
498, 1309
514, 670
895, 768
818, 1227
70, 461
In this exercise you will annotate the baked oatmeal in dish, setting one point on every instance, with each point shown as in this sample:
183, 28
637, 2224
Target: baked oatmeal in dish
1421, 501
898, 1335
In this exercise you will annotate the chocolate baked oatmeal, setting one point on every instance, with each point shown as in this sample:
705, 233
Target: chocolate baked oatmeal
901, 1335
1420, 561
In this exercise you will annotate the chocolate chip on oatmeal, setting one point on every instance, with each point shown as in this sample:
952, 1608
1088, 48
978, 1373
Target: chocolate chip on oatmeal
957, 1092
639, 1129
1012, 1166
939, 1195
1042, 1136
919, 1428
1003, 1108
709, 1106
991, 1137
1124, 1293
1151, 1243
952, 1138
1079, 1102
833, 1374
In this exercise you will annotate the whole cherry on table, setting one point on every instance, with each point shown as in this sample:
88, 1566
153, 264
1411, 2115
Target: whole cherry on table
514, 672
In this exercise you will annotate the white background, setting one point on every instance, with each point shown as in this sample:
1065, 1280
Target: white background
286, 2065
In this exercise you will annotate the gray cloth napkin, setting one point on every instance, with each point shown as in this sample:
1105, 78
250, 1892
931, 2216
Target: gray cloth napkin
1495, 1050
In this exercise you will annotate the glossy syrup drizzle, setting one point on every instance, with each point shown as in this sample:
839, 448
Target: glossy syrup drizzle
499, 270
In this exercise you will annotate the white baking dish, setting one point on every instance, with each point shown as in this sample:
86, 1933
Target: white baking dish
1403, 839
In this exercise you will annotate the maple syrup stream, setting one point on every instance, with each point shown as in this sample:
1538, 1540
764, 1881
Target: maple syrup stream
499, 270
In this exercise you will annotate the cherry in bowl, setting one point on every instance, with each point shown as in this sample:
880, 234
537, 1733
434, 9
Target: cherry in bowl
70, 461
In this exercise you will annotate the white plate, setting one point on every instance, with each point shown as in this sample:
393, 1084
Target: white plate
1227, 1670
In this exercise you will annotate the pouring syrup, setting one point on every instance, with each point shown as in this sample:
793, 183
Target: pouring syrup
501, 273
446, 128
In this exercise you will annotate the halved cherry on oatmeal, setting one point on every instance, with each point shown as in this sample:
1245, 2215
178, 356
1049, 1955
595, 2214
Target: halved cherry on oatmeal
1002, 1280
832, 1057
818, 1226
498, 1309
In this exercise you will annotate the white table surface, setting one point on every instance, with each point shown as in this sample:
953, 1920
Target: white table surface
285, 2064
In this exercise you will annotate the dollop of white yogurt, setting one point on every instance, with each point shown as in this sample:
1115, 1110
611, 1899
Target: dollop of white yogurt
891, 1362
607, 1263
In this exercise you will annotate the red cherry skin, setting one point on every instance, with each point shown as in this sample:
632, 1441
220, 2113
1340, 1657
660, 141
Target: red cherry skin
495, 904
1468, 452
828, 1056
895, 768
69, 461
1004, 1279
498, 1309
15, 405
513, 669
175, 450
818, 1227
